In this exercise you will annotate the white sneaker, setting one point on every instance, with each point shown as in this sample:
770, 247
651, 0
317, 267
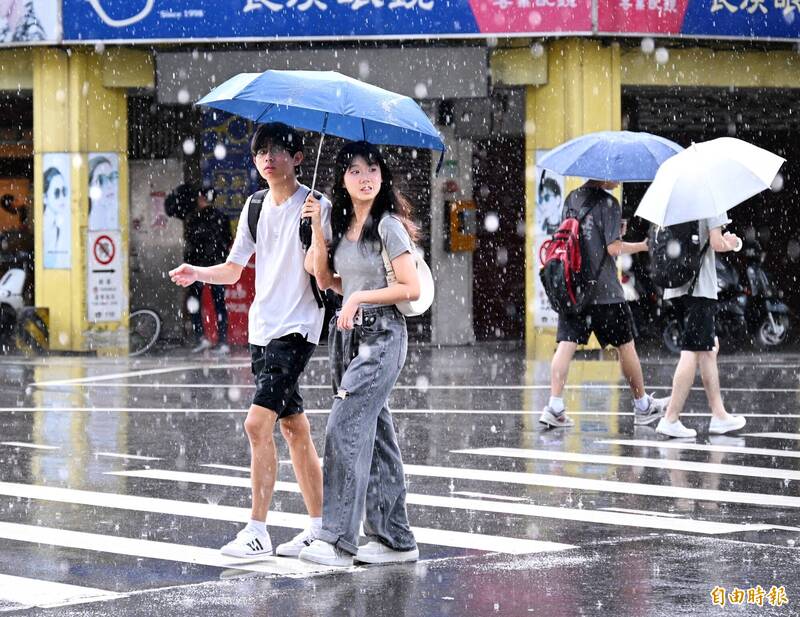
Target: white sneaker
555, 420
674, 429
656, 409
720, 427
248, 543
221, 350
326, 554
202, 345
293, 547
375, 552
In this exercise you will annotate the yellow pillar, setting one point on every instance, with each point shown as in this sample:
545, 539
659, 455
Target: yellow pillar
582, 95
77, 115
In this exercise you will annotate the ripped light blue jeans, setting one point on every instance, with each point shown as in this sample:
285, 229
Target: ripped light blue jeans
363, 469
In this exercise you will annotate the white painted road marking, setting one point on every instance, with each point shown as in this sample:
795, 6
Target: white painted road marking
573, 514
636, 461
395, 411
25, 444
46, 594
455, 539
795, 436
135, 457
701, 447
150, 549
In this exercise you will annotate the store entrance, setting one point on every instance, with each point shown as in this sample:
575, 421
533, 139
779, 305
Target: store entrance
766, 117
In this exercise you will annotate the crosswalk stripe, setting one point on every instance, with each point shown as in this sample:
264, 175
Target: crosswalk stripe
133, 457
479, 505
395, 411
151, 549
30, 592
701, 447
578, 483
795, 436
416, 387
636, 461
440, 537
25, 444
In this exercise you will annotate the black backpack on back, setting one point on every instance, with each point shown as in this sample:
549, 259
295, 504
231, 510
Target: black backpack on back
676, 254
325, 299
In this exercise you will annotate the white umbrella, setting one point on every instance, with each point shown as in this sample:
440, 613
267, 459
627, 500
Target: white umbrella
706, 180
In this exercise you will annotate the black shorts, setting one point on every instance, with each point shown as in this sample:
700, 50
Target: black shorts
612, 324
697, 315
277, 369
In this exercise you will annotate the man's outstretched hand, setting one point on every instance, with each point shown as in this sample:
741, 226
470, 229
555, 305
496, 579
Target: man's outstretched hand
184, 275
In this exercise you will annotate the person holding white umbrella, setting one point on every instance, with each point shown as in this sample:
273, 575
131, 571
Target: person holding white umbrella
701, 184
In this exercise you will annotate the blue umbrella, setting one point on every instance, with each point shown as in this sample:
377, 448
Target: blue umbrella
329, 103
619, 156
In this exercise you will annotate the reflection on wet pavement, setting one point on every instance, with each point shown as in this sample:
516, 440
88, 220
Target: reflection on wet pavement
120, 479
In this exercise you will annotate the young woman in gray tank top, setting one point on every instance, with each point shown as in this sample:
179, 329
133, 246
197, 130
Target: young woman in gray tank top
363, 469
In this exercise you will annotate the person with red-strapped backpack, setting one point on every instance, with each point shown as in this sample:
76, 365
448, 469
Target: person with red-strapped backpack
580, 278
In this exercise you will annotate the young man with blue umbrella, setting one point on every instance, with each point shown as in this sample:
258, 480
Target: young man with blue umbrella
285, 324
611, 157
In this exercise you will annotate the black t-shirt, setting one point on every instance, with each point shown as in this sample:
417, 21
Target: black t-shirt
207, 235
606, 215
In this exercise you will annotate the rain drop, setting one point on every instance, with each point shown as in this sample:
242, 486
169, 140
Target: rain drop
99, 47
193, 305
673, 249
188, 146
662, 55
220, 152
420, 91
648, 45
183, 96
491, 222
363, 69
537, 50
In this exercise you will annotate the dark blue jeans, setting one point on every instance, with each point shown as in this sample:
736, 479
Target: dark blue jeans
218, 295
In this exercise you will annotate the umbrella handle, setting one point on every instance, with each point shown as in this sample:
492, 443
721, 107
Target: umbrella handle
305, 222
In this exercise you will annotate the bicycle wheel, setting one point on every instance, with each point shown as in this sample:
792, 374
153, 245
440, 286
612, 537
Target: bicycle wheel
144, 328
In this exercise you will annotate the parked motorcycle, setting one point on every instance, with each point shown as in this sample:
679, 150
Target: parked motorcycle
752, 309
767, 315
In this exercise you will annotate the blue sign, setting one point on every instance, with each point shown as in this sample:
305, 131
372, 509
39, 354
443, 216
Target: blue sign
160, 20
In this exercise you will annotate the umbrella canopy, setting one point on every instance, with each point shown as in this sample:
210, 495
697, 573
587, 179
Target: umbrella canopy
327, 102
708, 179
619, 156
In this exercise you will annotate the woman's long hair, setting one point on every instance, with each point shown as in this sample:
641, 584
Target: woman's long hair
388, 200
49, 174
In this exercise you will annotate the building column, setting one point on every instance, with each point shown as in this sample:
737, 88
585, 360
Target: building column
582, 94
77, 116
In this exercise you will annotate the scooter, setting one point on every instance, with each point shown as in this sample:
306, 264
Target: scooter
12, 287
767, 315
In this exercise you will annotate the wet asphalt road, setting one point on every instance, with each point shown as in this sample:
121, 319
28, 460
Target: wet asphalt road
119, 479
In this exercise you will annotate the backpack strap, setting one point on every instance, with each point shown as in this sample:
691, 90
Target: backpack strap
254, 211
697, 274
581, 216
253, 215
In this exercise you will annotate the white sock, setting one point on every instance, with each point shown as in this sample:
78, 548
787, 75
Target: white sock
257, 526
556, 404
642, 404
316, 524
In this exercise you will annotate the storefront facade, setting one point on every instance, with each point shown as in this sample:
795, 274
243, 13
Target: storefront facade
505, 81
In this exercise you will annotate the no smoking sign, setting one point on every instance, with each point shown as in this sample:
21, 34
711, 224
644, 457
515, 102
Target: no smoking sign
104, 250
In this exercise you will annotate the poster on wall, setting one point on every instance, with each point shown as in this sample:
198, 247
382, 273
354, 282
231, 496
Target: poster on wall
57, 216
29, 21
169, 20
103, 191
104, 282
549, 203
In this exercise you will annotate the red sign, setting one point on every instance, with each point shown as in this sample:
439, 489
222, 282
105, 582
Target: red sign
104, 250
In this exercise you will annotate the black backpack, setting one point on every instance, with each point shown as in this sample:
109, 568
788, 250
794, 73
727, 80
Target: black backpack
676, 254
328, 299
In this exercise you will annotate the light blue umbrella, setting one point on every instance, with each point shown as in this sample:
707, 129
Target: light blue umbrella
619, 156
329, 103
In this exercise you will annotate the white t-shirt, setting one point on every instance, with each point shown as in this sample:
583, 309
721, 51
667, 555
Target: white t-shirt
706, 286
284, 302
